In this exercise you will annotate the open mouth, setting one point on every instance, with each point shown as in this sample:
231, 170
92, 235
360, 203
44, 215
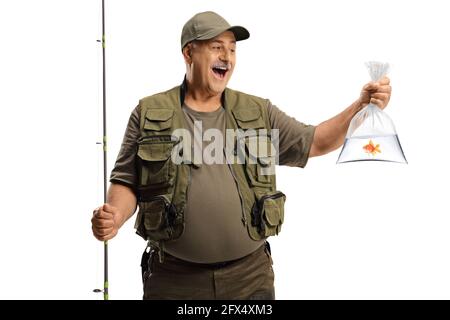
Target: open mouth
220, 72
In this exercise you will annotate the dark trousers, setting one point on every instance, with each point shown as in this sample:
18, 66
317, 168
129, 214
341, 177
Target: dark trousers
250, 277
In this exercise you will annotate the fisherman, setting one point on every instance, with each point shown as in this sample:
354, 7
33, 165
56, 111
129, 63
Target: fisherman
207, 222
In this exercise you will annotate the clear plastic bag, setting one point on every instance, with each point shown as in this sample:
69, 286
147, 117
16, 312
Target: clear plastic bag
371, 135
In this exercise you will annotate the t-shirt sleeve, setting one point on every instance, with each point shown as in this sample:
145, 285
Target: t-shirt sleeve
295, 138
124, 171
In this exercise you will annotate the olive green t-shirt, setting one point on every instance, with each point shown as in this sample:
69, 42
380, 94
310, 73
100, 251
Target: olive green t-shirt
214, 231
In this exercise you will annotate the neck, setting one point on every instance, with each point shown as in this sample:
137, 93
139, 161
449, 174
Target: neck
201, 100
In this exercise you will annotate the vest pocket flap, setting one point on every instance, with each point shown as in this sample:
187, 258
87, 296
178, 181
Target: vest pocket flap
155, 151
154, 215
159, 114
158, 119
247, 114
248, 118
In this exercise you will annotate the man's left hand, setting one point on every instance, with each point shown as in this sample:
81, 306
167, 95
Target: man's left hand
377, 93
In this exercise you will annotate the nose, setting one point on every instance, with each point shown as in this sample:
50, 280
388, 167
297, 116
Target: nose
225, 55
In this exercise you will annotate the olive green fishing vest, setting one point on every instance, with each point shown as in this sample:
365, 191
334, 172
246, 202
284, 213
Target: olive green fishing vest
163, 183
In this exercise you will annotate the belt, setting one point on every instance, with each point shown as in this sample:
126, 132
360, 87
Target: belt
215, 265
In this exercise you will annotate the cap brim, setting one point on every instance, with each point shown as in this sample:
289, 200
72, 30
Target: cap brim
240, 33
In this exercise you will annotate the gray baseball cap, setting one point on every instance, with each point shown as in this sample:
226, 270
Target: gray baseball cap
207, 25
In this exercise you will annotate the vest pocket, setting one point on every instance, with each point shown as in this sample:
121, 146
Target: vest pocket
259, 160
154, 160
154, 215
249, 118
155, 218
158, 119
263, 169
268, 212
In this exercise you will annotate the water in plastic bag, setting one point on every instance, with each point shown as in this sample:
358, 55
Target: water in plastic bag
371, 135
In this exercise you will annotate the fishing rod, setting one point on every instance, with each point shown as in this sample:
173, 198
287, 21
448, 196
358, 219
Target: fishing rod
105, 243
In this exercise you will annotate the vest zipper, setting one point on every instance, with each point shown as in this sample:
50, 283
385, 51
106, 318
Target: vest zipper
244, 218
189, 182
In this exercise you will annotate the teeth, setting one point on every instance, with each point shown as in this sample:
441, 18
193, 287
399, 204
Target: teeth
221, 68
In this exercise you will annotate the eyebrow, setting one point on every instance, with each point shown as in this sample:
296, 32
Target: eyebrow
220, 41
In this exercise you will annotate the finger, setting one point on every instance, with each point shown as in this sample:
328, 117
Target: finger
101, 238
103, 232
380, 96
377, 102
105, 237
104, 215
385, 88
384, 81
102, 229
371, 86
375, 86
108, 208
96, 210
102, 223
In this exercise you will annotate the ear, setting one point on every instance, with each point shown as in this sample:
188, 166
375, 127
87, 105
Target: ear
187, 53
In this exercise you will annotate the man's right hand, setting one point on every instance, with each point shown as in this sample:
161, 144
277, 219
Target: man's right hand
105, 222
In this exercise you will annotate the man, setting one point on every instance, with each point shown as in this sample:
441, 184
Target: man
207, 222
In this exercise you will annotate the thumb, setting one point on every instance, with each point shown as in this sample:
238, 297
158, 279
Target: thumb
371, 86
108, 208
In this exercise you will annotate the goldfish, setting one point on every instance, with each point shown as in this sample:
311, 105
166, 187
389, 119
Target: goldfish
371, 148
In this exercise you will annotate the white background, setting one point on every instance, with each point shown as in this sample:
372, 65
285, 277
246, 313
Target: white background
352, 231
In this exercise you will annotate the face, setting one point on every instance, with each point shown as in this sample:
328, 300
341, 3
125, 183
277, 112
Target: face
210, 63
